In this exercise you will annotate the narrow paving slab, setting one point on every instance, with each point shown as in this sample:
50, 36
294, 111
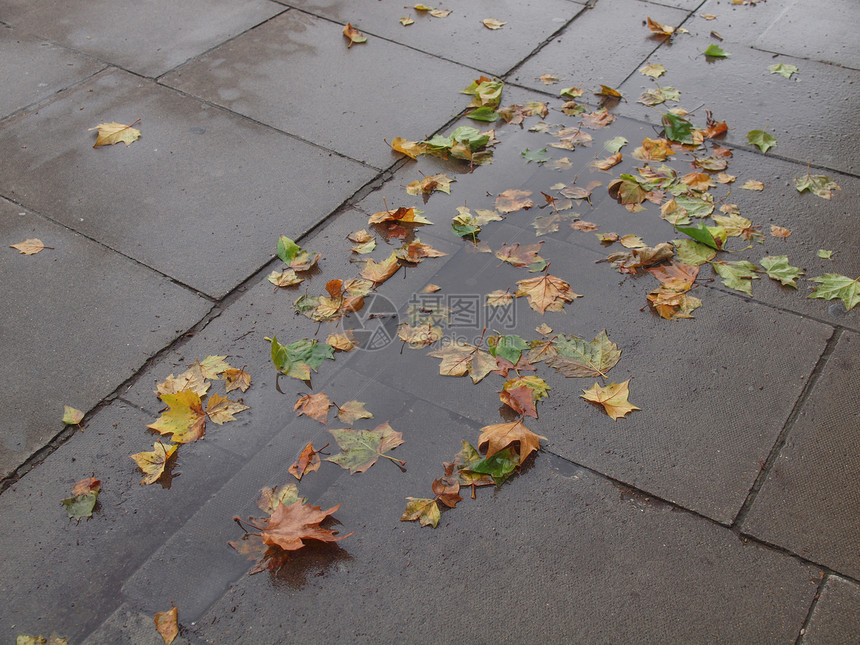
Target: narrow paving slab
797, 507
836, 618
460, 36
78, 320
201, 197
148, 38
34, 69
331, 99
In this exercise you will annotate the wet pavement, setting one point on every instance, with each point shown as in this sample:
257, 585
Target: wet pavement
726, 509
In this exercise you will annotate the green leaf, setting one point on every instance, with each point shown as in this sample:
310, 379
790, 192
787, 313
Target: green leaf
362, 448
783, 70
485, 113
701, 234
614, 145
825, 255
696, 206
465, 225
299, 358
81, 506
72, 416
508, 347
778, 268
715, 51
487, 93
820, 185
762, 139
737, 275
570, 92
470, 137
658, 95
692, 252
538, 156
676, 128
287, 249
833, 285
500, 466
578, 358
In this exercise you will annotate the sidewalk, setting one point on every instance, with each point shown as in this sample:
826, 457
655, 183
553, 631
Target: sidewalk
725, 509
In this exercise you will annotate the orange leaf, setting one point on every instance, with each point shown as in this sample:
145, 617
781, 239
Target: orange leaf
379, 272
354, 35
289, 526
313, 405
500, 435
307, 462
167, 624
613, 398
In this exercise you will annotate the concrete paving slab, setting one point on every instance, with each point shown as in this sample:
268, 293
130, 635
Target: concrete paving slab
34, 69
147, 38
460, 36
78, 320
819, 31
836, 617
202, 196
733, 23
809, 502
618, 564
198, 565
742, 92
601, 46
65, 576
296, 74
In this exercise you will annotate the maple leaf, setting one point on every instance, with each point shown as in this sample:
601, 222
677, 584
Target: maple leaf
420, 335
608, 92
285, 278
655, 71
737, 226
459, 359
698, 180
220, 409
425, 510
520, 256
499, 298
191, 379
608, 162
111, 133
492, 23
427, 185
273, 496
520, 400
627, 189
294, 256
783, 70
167, 624
313, 405
833, 285
29, 246
379, 272
582, 225
634, 259
236, 380
546, 293
342, 342
676, 128
152, 463
352, 411
84, 496
402, 215
761, 139
673, 305
184, 419
291, 525
501, 435
659, 29
461, 468
211, 367
509, 348
538, 156
513, 200
820, 185
752, 184
354, 35
613, 398
498, 466
299, 358
653, 150
779, 232
778, 268
485, 91
598, 119
307, 462
72, 416
416, 251
362, 448
676, 275
575, 357
409, 148
737, 275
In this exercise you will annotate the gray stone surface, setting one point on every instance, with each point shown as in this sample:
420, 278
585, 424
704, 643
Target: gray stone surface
288, 72
601, 46
618, 561
742, 92
742, 23
34, 69
89, 320
127, 626
202, 196
797, 507
822, 31
460, 36
836, 618
147, 38
66, 575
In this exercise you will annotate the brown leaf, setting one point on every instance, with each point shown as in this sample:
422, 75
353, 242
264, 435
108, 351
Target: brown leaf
354, 35
379, 272
598, 119
779, 232
608, 162
500, 435
446, 492
635, 259
613, 398
86, 486
518, 255
546, 293
352, 411
659, 29
152, 463
402, 215
307, 462
236, 380
167, 624
29, 247
513, 200
290, 526
675, 275
313, 405
582, 225
220, 409
520, 400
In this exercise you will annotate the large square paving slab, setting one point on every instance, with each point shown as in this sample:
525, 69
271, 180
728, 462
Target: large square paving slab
836, 617
147, 38
33, 69
296, 74
78, 319
810, 502
460, 36
202, 196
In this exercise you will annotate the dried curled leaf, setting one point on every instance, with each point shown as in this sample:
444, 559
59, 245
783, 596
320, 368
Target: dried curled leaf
354, 35
167, 624
307, 462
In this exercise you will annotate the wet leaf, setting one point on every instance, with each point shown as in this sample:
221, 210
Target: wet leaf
615, 144
654, 71
236, 380
426, 511
299, 358
627, 190
634, 259
608, 92
653, 150
598, 119
582, 225
761, 139
409, 148
152, 463
30, 246
420, 335
184, 419
698, 181
778, 268
352, 411
406, 21
752, 184
513, 200
400, 215
825, 255
440, 13
820, 185
285, 278
715, 51
499, 298
546, 293
492, 23
576, 357
539, 388
343, 342
538, 156
167, 625
676, 128
658, 95
779, 232
725, 178
294, 256
672, 304
508, 347
460, 359
608, 162
72, 416
659, 29
415, 251
783, 70
190, 379
549, 79
613, 398
485, 92
113, 132
290, 526
738, 226
308, 461
220, 409
362, 448
499, 466
427, 185
520, 255
692, 252
84, 496
354, 35
314, 406
379, 272
701, 234
272, 497
571, 92
501, 435
737, 275
832, 286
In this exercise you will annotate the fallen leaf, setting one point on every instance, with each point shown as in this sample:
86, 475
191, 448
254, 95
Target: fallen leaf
692, 252
294, 256
406, 21
492, 23
513, 200
673, 305
220, 409
752, 184
659, 29
783, 70
654, 71
191, 379
307, 462
272, 497
761, 139
520, 400
426, 511
290, 526
725, 178
778, 268
735, 225
613, 398
285, 278
72, 416
598, 119
825, 255
521, 255
635, 259
608, 92
53, 639
167, 624
820, 185
698, 181
29, 247
499, 298
299, 358
236, 380
400, 215
653, 150
342, 342
354, 35
779, 232
362, 448
715, 51
410, 148
427, 185
737, 275
111, 133
352, 411
379, 272
152, 463
546, 293
184, 419
460, 359
538, 156
84, 496
420, 335
313, 405
549, 79
582, 225
440, 13
576, 357
501, 435
832, 286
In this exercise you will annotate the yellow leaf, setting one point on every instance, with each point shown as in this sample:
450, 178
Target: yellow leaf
220, 409
752, 184
184, 419
492, 23
29, 247
152, 463
379, 272
343, 342
285, 278
613, 398
167, 625
546, 293
236, 380
779, 231
354, 35
406, 21
110, 133
72, 416
500, 435
409, 148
